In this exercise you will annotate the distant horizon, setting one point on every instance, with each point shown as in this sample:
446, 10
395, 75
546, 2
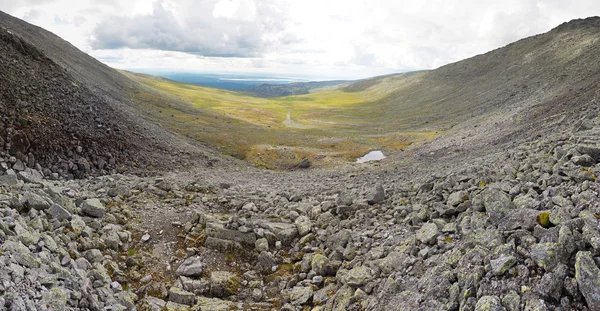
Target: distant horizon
282, 76
313, 40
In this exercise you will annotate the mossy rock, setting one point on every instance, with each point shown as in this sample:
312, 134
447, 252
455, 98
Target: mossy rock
544, 219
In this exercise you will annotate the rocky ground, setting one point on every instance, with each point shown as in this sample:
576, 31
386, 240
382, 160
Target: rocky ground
518, 233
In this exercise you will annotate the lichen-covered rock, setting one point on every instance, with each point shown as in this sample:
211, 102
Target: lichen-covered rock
224, 283
319, 264
455, 198
359, 276
180, 296
489, 303
428, 233
501, 265
587, 275
497, 204
301, 295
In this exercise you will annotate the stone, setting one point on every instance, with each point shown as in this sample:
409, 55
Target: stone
501, 265
261, 245
376, 195
180, 296
584, 160
489, 303
145, 238
224, 283
153, 304
587, 275
36, 202
198, 287
30, 176
303, 225
8, 180
428, 233
455, 198
319, 264
18, 166
217, 230
93, 208
359, 276
497, 204
265, 262
301, 295
512, 301
191, 266
548, 255
58, 212
20, 253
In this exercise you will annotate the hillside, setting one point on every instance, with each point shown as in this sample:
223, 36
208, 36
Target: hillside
60, 100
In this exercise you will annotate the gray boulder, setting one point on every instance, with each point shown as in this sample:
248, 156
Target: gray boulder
191, 266
37, 202
587, 275
178, 295
58, 212
93, 208
428, 233
489, 303
224, 283
376, 195
497, 204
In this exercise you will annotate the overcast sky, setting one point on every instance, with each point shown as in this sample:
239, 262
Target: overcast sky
317, 39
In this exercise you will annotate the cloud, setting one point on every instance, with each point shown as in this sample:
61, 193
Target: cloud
225, 28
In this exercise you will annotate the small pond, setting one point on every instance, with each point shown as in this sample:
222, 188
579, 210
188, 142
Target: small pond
371, 156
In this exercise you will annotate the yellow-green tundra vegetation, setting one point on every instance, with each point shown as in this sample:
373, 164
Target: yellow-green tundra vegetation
328, 126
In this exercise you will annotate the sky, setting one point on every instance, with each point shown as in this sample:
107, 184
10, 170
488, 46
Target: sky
313, 39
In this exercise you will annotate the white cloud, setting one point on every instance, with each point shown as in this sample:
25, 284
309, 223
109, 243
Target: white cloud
326, 39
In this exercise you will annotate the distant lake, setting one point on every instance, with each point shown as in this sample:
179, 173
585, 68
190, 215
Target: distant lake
224, 81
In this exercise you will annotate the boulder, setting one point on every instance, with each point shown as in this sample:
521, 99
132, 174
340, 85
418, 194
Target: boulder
428, 233
376, 195
587, 275
93, 208
224, 283
359, 276
501, 265
191, 266
489, 303
178, 295
497, 204
37, 202
58, 212
301, 295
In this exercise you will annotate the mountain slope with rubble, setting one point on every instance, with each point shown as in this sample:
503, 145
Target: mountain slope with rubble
499, 213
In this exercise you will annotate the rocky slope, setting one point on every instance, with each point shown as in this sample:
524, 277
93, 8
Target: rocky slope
513, 227
64, 114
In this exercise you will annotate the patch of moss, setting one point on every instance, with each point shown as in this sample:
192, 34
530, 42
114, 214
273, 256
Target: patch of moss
482, 184
131, 252
544, 219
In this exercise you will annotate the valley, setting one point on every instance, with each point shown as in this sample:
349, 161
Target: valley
125, 191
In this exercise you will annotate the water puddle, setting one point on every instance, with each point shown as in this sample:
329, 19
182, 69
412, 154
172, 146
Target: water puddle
371, 156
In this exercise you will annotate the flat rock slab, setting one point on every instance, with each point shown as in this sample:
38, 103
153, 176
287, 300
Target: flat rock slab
216, 230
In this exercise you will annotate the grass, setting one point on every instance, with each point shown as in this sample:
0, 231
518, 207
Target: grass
329, 127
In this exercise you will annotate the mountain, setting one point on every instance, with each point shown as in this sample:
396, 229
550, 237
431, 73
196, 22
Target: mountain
295, 88
71, 114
